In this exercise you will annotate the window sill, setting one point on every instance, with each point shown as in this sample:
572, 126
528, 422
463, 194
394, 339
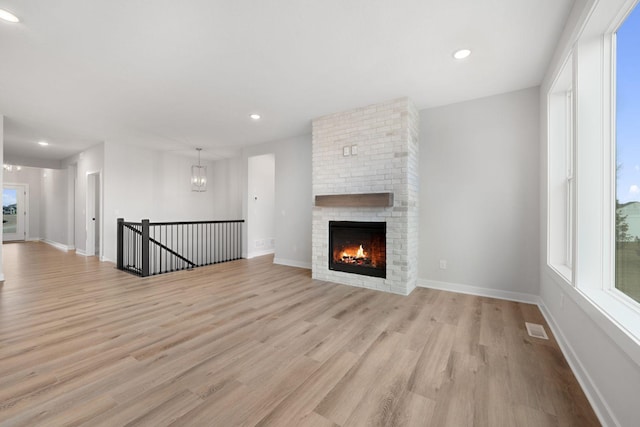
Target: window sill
624, 317
564, 272
616, 318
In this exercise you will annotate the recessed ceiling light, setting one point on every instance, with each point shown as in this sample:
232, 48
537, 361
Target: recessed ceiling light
43, 143
8, 16
255, 116
461, 54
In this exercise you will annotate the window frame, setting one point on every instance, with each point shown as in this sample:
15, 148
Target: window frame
595, 269
560, 177
611, 283
593, 281
570, 180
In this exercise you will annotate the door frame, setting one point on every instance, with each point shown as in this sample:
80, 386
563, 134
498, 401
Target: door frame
25, 188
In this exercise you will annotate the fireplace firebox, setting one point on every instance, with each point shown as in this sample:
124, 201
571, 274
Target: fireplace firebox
358, 247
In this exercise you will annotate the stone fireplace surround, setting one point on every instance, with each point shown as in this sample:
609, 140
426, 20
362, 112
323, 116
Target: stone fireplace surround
385, 161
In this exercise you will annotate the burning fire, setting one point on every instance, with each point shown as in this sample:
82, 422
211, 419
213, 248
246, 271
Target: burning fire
359, 254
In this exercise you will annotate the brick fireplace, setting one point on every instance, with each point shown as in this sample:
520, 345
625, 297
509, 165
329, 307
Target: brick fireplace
365, 170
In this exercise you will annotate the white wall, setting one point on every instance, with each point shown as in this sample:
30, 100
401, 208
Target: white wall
600, 353
293, 199
172, 190
225, 183
88, 161
31, 177
72, 173
148, 184
54, 207
479, 196
260, 205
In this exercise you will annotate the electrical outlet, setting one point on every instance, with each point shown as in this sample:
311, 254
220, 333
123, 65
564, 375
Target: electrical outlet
443, 264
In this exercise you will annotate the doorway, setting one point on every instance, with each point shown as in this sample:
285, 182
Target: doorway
93, 215
14, 212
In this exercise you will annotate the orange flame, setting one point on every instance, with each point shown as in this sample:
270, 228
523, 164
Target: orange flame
352, 253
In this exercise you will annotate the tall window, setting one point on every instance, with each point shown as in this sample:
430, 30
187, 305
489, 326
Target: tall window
561, 176
569, 196
627, 205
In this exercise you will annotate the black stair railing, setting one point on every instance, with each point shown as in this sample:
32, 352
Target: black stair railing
146, 248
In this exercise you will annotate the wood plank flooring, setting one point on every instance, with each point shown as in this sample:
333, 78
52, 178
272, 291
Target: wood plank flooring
251, 343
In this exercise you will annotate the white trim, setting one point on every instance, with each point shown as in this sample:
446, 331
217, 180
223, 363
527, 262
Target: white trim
601, 408
560, 173
476, 290
56, 244
618, 320
254, 254
81, 252
563, 271
1, 278
622, 339
33, 239
292, 263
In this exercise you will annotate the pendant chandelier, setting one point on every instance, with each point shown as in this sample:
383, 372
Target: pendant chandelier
198, 175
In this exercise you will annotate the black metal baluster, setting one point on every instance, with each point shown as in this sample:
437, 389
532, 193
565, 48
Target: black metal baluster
148, 249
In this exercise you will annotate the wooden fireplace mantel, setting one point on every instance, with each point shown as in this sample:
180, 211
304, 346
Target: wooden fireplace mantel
363, 200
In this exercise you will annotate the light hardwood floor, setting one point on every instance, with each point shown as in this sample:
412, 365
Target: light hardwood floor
252, 343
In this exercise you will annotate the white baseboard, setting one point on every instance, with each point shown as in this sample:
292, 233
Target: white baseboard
33, 239
259, 253
599, 405
292, 263
57, 245
81, 252
483, 292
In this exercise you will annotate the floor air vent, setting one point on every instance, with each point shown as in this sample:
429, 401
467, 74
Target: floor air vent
536, 331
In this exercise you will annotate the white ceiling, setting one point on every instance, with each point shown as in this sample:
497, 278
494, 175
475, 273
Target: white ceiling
181, 74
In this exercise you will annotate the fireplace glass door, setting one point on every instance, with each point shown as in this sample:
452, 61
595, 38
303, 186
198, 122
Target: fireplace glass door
358, 247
